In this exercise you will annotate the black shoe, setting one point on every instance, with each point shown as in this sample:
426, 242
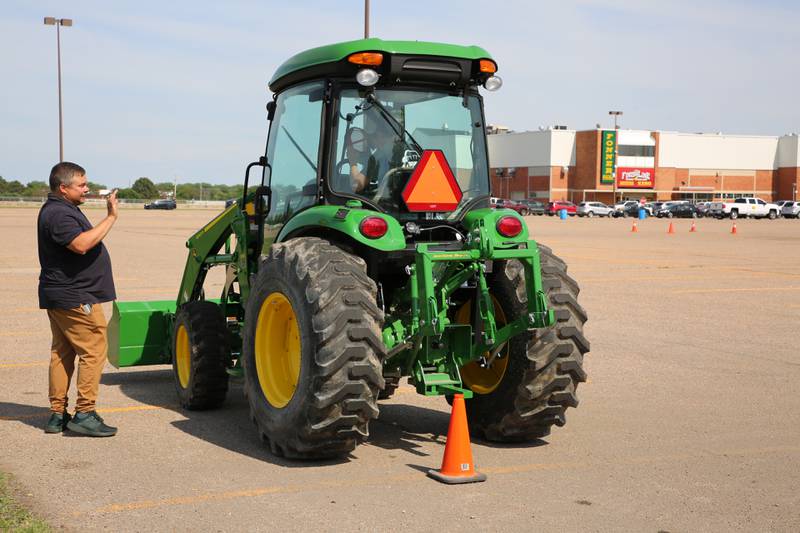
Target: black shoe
90, 424
57, 423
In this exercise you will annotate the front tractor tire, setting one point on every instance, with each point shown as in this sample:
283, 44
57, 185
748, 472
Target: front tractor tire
200, 349
521, 398
312, 350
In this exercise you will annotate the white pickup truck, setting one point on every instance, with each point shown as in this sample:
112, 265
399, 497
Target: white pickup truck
744, 207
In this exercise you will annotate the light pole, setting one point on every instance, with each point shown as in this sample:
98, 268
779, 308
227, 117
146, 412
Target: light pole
615, 114
50, 21
366, 19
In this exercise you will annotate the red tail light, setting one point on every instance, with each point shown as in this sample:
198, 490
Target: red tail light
373, 227
509, 226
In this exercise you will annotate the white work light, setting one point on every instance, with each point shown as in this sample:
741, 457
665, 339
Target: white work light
367, 77
493, 83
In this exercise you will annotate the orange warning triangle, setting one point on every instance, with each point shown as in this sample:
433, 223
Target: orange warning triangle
432, 186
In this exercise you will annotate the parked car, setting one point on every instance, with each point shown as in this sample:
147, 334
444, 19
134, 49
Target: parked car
703, 207
535, 207
667, 204
619, 206
744, 207
780, 204
229, 202
161, 204
651, 207
519, 207
630, 210
554, 207
791, 209
592, 209
682, 210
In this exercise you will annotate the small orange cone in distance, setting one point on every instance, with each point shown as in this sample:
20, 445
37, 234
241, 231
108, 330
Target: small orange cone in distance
671, 228
457, 465
733, 229
634, 229
693, 229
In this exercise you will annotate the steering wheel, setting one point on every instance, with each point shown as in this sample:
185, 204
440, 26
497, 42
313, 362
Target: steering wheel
355, 141
383, 183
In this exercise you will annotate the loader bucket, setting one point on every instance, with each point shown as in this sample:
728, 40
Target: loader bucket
139, 333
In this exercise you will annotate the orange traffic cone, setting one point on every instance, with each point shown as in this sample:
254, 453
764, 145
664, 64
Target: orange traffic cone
733, 229
634, 229
693, 229
671, 228
457, 465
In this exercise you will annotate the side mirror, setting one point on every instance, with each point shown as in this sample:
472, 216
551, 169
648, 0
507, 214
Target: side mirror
262, 190
271, 110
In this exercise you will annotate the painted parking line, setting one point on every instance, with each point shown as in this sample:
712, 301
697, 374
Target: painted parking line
735, 289
46, 412
24, 365
19, 333
419, 478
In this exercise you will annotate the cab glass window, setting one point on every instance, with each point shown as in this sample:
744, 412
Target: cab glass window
293, 150
379, 138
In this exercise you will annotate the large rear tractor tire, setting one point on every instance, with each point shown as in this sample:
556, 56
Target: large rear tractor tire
312, 350
522, 397
201, 350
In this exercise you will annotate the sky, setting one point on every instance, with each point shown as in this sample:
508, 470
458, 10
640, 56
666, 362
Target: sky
176, 90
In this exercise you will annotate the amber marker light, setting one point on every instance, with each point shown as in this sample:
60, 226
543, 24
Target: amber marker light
366, 58
488, 66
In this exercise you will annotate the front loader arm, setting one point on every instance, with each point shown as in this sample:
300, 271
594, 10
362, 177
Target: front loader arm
204, 247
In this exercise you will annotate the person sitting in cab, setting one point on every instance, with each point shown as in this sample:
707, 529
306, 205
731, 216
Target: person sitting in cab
372, 153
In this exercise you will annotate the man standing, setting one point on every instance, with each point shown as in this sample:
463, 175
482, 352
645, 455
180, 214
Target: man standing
75, 279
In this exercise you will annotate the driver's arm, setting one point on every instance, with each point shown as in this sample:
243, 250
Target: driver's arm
357, 179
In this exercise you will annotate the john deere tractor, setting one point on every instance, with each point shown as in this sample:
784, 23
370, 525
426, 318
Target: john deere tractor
368, 252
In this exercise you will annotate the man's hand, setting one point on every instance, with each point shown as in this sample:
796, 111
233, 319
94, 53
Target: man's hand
112, 203
91, 238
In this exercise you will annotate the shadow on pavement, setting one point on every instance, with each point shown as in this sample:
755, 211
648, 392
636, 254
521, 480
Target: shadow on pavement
399, 427
228, 427
32, 415
404, 427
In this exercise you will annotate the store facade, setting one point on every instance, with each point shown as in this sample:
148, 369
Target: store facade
613, 165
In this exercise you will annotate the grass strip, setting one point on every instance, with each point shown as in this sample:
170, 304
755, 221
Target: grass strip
13, 517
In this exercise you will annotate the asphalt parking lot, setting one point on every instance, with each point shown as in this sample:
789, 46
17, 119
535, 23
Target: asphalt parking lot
690, 420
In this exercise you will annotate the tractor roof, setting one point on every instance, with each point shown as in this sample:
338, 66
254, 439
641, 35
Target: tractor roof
335, 53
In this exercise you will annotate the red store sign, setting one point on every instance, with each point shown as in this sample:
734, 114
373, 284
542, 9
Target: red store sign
635, 178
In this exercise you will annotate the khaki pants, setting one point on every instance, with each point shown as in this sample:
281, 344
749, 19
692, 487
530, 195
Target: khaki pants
77, 333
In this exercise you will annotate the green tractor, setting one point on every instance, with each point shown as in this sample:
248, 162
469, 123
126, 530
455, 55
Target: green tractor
367, 252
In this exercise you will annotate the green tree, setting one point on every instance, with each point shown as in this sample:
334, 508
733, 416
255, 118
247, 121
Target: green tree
128, 194
145, 188
37, 188
188, 191
94, 187
13, 188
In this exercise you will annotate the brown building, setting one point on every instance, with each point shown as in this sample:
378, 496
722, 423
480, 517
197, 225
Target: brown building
609, 165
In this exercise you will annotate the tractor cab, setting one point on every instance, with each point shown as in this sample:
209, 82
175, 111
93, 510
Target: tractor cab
352, 122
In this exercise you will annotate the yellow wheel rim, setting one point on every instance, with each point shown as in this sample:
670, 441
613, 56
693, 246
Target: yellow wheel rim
183, 356
484, 380
277, 350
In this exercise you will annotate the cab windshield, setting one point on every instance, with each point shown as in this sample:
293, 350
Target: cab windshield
380, 136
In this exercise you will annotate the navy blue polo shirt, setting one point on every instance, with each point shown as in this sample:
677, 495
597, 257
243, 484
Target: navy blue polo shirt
69, 279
